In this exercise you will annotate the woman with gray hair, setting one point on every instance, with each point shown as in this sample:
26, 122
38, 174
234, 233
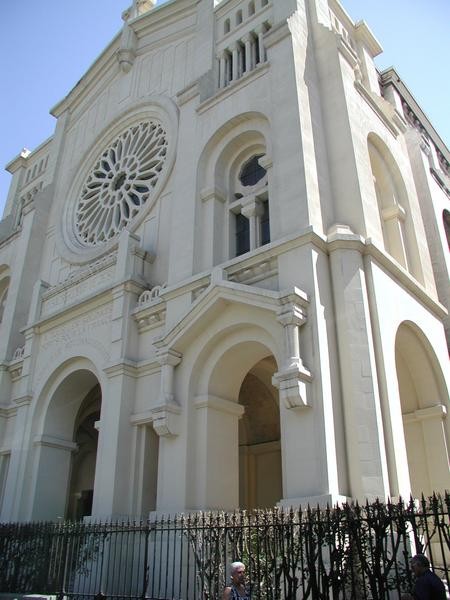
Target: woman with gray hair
237, 590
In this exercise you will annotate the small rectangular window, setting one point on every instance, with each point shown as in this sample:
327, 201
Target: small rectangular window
242, 234
265, 224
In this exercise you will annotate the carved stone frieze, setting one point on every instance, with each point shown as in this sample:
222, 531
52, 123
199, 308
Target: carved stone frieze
257, 272
83, 282
77, 329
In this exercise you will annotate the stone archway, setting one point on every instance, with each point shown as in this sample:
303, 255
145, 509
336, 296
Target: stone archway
260, 482
424, 404
64, 457
236, 395
81, 486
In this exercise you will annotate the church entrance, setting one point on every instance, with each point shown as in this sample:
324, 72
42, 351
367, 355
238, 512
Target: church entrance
65, 452
81, 487
260, 483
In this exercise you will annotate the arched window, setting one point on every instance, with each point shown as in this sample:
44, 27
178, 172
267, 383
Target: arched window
226, 26
251, 8
233, 184
249, 207
4, 286
393, 207
239, 17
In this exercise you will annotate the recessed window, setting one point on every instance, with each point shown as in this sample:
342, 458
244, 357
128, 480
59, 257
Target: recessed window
242, 234
446, 218
264, 2
239, 17
251, 9
264, 224
226, 26
252, 172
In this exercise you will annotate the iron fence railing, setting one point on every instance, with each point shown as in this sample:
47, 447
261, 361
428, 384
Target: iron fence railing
345, 552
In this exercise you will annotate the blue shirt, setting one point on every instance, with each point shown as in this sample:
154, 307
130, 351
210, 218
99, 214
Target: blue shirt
428, 586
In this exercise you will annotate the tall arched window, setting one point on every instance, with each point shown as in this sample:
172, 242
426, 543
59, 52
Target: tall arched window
393, 207
249, 206
4, 286
233, 185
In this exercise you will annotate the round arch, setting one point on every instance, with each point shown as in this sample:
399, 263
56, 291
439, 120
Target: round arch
424, 405
227, 225
235, 421
394, 207
65, 441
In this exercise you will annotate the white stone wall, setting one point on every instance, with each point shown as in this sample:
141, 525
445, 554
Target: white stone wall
168, 321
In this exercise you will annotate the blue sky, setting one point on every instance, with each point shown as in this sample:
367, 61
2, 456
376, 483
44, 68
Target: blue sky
47, 45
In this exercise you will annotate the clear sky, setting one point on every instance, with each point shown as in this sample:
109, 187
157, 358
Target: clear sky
47, 45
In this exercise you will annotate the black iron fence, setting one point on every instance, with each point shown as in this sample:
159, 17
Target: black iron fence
343, 553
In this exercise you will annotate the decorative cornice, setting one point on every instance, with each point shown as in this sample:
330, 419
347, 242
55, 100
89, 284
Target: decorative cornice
23, 400
188, 93
233, 87
389, 115
438, 411
53, 442
219, 404
81, 274
277, 33
125, 367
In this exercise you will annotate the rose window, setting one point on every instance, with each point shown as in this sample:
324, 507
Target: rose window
120, 183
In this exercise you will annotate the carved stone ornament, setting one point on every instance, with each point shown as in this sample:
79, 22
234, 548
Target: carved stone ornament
166, 419
120, 183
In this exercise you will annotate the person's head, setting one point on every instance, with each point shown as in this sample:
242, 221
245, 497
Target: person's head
237, 573
419, 564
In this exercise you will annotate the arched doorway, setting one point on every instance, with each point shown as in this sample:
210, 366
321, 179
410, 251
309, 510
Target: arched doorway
260, 483
237, 458
81, 487
424, 404
66, 449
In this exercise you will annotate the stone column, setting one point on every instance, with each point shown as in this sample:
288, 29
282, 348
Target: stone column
222, 70
15, 505
213, 227
235, 63
217, 453
52, 474
260, 30
247, 41
252, 209
112, 494
366, 453
293, 376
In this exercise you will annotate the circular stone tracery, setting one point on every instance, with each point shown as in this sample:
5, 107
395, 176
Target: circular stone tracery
120, 183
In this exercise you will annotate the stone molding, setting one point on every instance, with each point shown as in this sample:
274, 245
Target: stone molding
166, 419
438, 411
54, 442
219, 404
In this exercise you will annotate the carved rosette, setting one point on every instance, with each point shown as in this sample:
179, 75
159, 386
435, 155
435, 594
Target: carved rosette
120, 183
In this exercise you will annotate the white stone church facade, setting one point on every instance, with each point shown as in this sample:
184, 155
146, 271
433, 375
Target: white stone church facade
224, 279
